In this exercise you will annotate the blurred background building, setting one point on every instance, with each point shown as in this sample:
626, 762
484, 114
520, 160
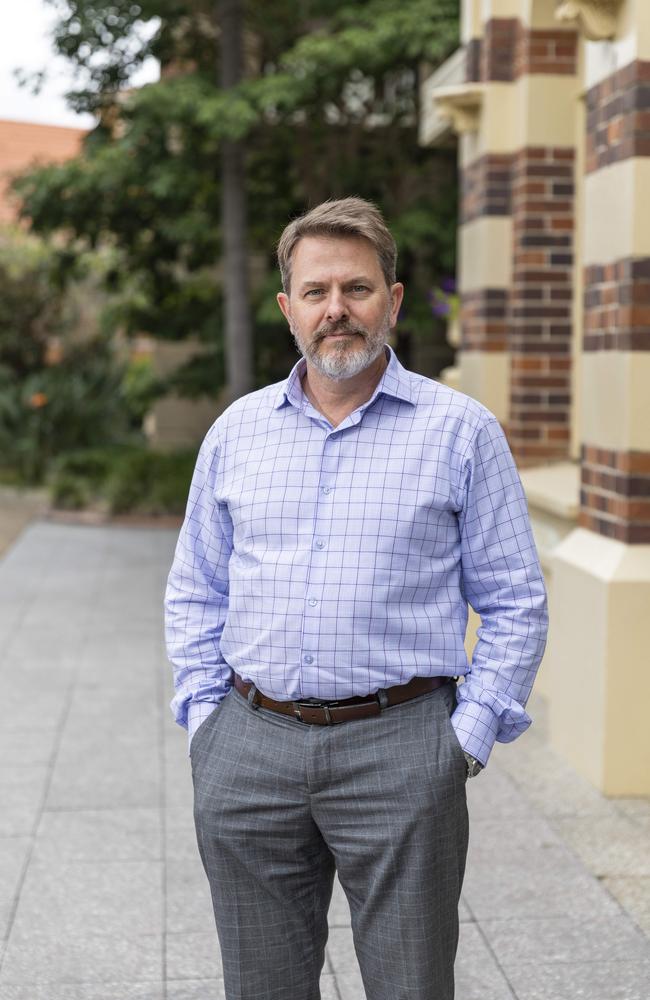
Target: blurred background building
549, 103
25, 144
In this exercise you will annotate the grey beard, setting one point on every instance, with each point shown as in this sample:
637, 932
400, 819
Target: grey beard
345, 361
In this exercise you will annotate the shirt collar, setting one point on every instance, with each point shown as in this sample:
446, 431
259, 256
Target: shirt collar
395, 381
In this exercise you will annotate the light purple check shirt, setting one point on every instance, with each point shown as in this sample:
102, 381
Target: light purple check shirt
322, 562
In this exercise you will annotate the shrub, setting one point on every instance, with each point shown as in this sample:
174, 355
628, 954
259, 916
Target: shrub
64, 383
150, 482
123, 479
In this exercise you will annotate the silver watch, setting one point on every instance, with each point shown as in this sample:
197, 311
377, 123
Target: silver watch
473, 765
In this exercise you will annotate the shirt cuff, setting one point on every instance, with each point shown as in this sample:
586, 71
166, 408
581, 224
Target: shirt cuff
476, 727
197, 713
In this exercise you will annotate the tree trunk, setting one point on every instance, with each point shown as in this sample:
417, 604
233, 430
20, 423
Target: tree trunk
238, 331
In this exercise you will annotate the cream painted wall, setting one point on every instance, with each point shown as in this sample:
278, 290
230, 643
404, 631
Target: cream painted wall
499, 129
623, 228
536, 110
545, 107
626, 764
485, 253
485, 375
615, 410
597, 661
468, 148
637, 12
500, 8
575, 656
540, 14
577, 309
470, 20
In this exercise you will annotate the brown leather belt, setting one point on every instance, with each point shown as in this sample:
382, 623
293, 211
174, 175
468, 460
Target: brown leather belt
329, 713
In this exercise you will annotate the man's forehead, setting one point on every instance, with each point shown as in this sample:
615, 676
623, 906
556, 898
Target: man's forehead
334, 253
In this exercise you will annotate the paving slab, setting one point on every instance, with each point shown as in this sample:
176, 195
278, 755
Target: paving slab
633, 894
583, 981
194, 956
339, 911
189, 905
112, 778
22, 790
27, 746
478, 974
83, 991
608, 846
14, 854
549, 886
99, 835
565, 940
73, 899
31, 959
196, 989
180, 835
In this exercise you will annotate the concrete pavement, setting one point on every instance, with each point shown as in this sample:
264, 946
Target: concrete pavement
102, 894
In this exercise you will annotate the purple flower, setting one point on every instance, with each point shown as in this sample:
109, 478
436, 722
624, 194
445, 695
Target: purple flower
448, 285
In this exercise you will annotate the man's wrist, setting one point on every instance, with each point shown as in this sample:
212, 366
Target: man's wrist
473, 765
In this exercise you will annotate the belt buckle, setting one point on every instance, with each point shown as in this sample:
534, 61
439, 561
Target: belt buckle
314, 704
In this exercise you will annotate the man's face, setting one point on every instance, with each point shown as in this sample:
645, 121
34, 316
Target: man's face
340, 310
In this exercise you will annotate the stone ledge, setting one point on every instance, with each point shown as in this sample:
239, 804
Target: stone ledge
554, 489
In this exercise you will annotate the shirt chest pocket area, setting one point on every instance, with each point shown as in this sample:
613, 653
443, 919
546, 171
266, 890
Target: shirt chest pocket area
269, 508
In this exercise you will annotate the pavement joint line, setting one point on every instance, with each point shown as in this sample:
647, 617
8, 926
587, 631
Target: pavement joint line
492, 952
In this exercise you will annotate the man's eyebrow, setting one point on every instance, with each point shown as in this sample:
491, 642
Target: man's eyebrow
361, 279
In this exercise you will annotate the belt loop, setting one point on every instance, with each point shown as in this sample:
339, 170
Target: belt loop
250, 697
382, 698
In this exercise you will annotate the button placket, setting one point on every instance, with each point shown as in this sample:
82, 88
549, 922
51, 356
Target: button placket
322, 523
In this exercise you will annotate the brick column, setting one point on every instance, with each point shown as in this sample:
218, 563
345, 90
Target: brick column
518, 200
541, 296
615, 495
541, 304
601, 572
485, 194
485, 230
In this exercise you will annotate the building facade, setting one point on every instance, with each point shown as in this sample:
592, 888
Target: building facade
25, 144
549, 101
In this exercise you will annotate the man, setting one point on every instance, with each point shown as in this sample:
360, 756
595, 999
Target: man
337, 525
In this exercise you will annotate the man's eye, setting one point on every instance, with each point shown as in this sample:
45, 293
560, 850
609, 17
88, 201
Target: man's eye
314, 292
359, 288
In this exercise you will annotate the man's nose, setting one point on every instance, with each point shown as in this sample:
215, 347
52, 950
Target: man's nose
336, 307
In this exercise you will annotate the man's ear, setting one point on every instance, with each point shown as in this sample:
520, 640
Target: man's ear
283, 302
396, 294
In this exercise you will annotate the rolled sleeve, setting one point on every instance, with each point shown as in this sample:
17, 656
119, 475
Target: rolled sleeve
503, 582
196, 597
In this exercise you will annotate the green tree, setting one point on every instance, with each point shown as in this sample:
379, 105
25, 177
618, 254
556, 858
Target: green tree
328, 106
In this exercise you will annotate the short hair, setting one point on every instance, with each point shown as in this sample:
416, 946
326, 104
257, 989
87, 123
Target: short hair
344, 217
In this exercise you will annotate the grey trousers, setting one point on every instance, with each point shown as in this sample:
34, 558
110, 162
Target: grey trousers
279, 804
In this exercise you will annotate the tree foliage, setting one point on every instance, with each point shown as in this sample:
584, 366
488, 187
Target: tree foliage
329, 107
60, 386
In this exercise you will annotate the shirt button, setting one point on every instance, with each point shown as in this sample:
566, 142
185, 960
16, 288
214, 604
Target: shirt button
320, 544
309, 659
312, 602
326, 489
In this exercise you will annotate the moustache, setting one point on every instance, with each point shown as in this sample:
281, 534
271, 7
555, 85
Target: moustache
344, 327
